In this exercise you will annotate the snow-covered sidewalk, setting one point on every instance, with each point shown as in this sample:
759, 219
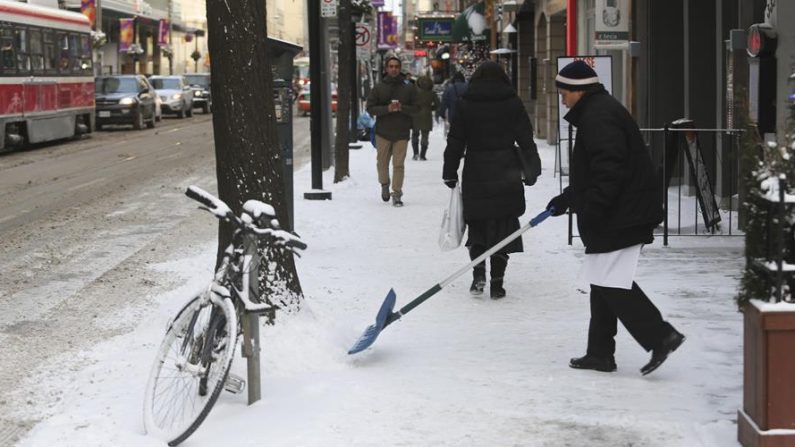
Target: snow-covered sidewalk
458, 370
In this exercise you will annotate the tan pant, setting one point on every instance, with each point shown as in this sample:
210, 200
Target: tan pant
397, 151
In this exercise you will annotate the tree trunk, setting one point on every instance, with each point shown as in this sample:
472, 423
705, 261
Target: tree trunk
344, 76
249, 161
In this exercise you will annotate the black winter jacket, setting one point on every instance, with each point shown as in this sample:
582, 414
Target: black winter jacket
393, 126
489, 120
613, 188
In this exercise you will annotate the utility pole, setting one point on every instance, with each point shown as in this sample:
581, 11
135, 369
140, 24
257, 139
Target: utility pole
170, 54
98, 31
316, 109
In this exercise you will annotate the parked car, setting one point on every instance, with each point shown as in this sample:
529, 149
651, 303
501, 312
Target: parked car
304, 101
202, 96
124, 99
175, 94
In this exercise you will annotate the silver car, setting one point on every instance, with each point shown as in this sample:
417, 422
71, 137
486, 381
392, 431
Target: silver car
175, 95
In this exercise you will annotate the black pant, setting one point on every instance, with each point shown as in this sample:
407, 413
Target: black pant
636, 312
499, 262
415, 141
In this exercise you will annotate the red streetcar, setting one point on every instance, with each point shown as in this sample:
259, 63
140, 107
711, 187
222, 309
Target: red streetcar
46, 74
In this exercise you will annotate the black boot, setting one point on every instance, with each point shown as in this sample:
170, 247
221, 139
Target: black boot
385, 192
478, 281
596, 363
423, 152
499, 262
496, 289
658, 355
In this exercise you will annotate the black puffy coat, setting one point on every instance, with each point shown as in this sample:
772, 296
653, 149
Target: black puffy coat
489, 120
613, 187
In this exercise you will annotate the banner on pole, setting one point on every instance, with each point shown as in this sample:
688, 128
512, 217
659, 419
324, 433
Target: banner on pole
126, 29
387, 30
89, 9
162, 33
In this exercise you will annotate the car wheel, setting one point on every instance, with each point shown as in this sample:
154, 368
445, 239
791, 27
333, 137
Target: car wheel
190, 110
206, 109
138, 124
98, 126
181, 114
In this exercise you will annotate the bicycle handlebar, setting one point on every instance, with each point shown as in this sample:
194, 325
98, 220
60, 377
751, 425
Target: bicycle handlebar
221, 210
214, 205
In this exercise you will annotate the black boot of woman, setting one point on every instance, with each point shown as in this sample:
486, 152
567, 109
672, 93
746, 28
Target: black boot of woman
499, 262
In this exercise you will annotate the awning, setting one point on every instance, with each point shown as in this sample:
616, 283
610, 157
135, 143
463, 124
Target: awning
471, 24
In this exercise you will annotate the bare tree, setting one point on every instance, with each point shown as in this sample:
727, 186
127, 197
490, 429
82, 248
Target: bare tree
249, 162
344, 76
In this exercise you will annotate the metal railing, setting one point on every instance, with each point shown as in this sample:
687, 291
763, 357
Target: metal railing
687, 178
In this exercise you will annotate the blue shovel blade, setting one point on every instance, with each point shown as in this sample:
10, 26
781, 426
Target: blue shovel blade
371, 333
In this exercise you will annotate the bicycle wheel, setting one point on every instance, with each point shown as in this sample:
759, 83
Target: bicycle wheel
190, 369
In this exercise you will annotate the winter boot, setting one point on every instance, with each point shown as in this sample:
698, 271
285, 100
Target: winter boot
415, 157
499, 262
496, 289
385, 192
478, 281
396, 200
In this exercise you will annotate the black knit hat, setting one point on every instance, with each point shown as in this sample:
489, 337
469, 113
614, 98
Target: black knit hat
576, 76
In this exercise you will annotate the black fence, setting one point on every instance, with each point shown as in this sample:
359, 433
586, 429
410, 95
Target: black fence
700, 171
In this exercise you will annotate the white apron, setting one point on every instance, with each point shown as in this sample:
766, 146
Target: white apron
615, 269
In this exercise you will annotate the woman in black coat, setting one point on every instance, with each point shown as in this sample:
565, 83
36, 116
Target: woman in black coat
490, 120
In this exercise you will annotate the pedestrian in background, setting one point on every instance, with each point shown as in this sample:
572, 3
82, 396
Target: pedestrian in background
452, 93
427, 102
392, 102
489, 121
617, 197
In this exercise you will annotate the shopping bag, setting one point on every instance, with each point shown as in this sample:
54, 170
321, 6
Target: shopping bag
453, 226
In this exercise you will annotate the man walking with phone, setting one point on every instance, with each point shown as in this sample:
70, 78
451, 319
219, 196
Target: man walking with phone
392, 103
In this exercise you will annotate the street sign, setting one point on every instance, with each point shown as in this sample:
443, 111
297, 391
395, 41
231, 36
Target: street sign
328, 8
363, 41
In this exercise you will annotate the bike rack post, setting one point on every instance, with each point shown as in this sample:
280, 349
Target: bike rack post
251, 342
251, 350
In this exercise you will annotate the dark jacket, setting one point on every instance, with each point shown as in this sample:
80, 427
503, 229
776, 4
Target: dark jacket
489, 120
427, 102
613, 188
450, 97
393, 126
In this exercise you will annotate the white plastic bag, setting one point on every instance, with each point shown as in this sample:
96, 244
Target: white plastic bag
453, 226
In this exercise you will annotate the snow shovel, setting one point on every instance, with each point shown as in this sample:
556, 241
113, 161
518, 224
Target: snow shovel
386, 316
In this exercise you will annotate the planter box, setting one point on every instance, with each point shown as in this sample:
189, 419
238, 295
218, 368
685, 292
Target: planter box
767, 418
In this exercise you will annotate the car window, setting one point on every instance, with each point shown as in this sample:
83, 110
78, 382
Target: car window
165, 83
201, 81
116, 85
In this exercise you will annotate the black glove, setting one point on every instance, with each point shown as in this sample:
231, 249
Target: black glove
558, 205
451, 183
529, 181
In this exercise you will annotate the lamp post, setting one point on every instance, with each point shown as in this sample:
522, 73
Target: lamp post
196, 55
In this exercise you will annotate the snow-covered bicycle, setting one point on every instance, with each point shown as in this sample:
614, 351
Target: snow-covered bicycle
192, 364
